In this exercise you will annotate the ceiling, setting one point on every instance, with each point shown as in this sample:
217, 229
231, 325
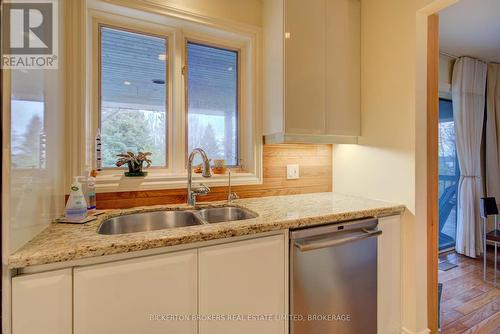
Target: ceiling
471, 28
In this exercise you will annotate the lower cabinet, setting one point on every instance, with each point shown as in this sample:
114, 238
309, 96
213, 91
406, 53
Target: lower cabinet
186, 292
389, 279
138, 296
244, 285
237, 287
42, 303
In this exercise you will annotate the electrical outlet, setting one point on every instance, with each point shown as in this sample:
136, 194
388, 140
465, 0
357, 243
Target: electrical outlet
292, 172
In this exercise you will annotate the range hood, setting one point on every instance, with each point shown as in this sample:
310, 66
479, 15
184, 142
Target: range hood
290, 138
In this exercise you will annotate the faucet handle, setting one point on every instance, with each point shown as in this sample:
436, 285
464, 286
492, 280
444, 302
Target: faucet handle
201, 189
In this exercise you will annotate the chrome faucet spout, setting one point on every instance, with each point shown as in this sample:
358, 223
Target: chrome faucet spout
206, 172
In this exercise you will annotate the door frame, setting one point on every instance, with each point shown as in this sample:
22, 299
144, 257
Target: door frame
428, 34
432, 167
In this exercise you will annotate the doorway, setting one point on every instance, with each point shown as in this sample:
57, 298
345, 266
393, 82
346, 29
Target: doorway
465, 302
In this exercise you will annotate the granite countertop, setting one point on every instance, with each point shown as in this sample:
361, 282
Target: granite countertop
65, 242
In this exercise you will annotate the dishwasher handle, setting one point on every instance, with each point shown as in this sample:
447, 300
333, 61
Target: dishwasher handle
305, 246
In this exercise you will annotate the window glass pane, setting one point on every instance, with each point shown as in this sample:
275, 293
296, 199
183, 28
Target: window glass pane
449, 174
213, 101
133, 95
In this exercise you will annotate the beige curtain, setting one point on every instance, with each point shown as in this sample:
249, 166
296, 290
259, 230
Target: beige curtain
468, 96
492, 140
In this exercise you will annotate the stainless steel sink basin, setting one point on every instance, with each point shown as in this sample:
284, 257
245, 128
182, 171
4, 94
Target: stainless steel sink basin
225, 214
149, 221
159, 220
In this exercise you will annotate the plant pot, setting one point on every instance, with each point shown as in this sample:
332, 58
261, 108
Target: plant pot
135, 169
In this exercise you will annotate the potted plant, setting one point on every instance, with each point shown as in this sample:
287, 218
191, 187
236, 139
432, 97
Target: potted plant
135, 162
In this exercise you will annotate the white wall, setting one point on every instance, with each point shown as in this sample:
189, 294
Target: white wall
389, 162
33, 195
32, 192
243, 11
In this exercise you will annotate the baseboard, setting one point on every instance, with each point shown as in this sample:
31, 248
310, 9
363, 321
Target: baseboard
404, 330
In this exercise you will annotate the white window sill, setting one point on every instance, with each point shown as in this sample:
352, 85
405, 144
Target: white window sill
116, 181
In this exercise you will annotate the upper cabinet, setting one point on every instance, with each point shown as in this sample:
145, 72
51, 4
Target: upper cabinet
311, 71
305, 67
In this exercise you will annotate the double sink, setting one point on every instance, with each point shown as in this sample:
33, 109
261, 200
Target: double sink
159, 220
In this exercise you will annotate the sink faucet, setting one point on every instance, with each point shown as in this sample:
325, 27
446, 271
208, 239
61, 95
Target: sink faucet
202, 189
230, 195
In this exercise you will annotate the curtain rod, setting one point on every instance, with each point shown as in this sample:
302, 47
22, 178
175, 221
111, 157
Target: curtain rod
448, 55
456, 57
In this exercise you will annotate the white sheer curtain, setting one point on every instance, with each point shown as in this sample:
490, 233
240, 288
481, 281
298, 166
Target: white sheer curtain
468, 96
493, 133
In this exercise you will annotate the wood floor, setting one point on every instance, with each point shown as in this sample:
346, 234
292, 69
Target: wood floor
468, 304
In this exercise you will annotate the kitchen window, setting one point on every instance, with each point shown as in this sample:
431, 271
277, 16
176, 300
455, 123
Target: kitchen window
133, 112
166, 86
133, 94
211, 75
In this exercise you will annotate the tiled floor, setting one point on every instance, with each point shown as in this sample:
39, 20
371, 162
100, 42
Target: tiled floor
469, 305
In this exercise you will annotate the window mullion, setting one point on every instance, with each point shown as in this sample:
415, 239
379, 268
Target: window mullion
179, 120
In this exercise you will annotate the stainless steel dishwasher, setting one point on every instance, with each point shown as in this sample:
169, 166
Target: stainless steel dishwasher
333, 278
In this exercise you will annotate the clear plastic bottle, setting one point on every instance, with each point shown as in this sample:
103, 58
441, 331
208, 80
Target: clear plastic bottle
88, 188
90, 195
76, 207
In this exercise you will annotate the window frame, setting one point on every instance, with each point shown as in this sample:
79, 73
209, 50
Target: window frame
168, 23
168, 82
185, 69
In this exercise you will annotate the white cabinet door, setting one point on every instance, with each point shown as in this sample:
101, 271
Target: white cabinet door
343, 69
389, 276
42, 303
240, 279
305, 61
137, 296
312, 85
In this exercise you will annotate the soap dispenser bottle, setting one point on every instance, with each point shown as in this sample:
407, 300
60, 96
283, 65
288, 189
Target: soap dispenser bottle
76, 208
